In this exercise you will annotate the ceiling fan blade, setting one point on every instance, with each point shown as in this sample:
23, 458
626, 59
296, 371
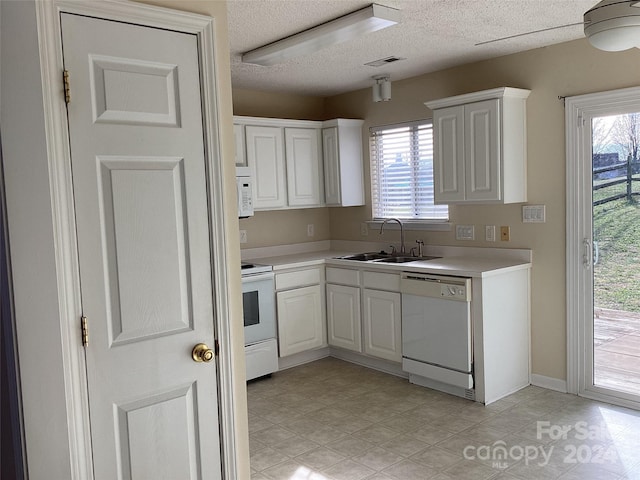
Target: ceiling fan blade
528, 33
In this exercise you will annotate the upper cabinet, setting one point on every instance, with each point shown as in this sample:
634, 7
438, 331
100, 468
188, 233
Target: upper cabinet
342, 151
241, 154
304, 167
297, 163
480, 148
265, 157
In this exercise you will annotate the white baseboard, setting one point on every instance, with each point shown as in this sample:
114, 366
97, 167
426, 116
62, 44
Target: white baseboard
549, 383
302, 358
370, 362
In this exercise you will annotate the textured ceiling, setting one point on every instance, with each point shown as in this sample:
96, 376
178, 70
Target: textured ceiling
432, 35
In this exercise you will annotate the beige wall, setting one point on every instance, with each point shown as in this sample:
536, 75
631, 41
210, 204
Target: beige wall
568, 69
254, 103
562, 70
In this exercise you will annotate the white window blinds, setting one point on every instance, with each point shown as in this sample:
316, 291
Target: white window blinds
402, 172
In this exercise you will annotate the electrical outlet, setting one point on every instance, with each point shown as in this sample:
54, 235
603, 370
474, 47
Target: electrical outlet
243, 236
465, 232
490, 233
364, 229
505, 233
310, 230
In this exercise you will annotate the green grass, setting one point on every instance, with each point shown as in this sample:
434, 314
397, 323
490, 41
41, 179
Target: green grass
616, 227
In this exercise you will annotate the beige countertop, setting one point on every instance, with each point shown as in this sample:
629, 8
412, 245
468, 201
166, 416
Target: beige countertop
457, 265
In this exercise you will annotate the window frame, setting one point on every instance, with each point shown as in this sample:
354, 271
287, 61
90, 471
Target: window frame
439, 224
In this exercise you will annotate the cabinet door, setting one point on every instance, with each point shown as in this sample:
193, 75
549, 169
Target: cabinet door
304, 182
300, 320
343, 317
241, 155
331, 154
381, 321
482, 151
265, 155
448, 156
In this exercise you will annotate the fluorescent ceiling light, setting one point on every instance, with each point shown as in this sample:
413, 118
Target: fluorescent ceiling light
354, 25
613, 25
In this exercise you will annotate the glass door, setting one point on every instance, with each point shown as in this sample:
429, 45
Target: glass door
615, 214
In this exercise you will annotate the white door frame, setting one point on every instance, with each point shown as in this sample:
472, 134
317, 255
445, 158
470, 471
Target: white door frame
57, 140
579, 111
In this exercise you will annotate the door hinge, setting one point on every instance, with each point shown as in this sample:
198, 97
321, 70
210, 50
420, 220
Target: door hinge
85, 332
67, 86
216, 347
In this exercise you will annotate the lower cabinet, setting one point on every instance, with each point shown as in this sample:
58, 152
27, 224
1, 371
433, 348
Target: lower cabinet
364, 312
300, 310
343, 317
382, 324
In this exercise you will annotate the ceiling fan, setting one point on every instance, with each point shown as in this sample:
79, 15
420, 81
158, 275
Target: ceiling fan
611, 25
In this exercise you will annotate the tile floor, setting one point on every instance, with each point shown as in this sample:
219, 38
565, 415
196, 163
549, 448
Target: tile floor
333, 420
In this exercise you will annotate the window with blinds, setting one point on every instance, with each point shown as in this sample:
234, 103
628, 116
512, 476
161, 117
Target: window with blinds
402, 172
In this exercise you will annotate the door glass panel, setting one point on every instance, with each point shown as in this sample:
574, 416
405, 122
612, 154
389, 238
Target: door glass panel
616, 252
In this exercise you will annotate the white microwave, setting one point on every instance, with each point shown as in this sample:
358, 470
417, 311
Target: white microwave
244, 187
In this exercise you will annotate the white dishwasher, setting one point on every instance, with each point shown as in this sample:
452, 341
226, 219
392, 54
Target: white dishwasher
437, 338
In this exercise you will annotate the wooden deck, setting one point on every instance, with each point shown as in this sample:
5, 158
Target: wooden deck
617, 350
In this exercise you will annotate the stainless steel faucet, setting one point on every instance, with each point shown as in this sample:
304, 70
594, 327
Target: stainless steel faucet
402, 248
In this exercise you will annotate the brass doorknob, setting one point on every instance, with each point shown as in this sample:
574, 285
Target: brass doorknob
202, 353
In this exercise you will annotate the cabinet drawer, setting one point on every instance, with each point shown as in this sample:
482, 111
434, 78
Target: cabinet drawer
297, 279
343, 276
381, 281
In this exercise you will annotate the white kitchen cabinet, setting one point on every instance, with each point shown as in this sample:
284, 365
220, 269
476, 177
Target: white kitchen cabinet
381, 315
480, 150
382, 324
300, 163
241, 154
304, 167
344, 325
363, 312
300, 307
300, 320
343, 168
265, 156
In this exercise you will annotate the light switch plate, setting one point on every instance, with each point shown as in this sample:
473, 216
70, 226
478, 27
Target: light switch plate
243, 236
490, 233
534, 214
465, 232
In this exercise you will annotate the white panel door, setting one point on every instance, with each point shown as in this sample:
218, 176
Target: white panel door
482, 151
265, 155
138, 166
303, 167
382, 324
300, 322
448, 158
344, 322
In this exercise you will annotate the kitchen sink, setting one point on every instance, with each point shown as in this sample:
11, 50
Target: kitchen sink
385, 258
365, 257
398, 259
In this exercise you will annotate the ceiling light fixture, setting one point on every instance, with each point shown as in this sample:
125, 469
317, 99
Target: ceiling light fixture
354, 25
381, 91
613, 25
